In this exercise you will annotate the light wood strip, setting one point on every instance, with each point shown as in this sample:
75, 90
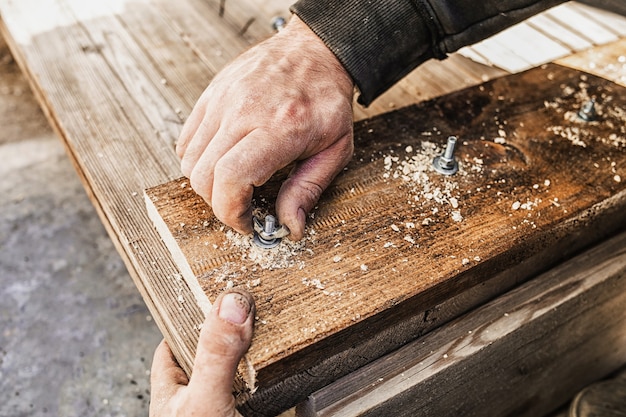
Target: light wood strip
612, 22
547, 36
607, 61
531, 44
559, 33
502, 56
568, 16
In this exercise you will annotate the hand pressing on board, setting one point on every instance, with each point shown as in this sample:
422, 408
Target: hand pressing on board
224, 339
286, 100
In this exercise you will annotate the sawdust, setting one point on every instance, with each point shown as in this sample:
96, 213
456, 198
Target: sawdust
253, 259
580, 132
427, 188
285, 255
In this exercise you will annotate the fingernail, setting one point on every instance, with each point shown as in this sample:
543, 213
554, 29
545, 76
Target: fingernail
235, 308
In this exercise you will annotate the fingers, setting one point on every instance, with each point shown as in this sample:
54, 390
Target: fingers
248, 164
301, 191
225, 337
191, 126
200, 145
200, 161
166, 378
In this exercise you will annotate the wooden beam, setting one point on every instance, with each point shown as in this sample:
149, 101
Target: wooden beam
524, 354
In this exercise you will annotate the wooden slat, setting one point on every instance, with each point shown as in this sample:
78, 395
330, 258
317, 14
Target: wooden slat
572, 18
612, 22
115, 149
548, 36
559, 33
607, 61
317, 298
524, 354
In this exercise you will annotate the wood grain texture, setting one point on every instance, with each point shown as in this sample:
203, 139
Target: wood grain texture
524, 354
391, 239
548, 36
116, 80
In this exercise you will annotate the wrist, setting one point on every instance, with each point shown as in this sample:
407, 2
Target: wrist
298, 32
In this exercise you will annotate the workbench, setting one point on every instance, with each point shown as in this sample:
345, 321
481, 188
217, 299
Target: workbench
116, 80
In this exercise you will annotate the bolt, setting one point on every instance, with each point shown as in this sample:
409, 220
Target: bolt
278, 23
446, 164
266, 235
588, 111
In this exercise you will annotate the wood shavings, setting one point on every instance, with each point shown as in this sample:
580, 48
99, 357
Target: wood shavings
580, 132
316, 283
282, 256
409, 239
425, 186
456, 216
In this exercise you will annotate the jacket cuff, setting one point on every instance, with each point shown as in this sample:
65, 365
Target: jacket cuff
378, 42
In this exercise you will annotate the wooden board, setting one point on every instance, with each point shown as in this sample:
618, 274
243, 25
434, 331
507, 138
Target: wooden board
390, 238
116, 79
524, 354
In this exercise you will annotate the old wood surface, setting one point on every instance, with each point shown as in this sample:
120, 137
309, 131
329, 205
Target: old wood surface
117, 78
390, 238
524, 354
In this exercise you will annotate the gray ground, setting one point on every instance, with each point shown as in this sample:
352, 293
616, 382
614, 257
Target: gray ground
75, 336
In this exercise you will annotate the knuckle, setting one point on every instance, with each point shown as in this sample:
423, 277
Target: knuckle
311, 191
186, 167
200, 185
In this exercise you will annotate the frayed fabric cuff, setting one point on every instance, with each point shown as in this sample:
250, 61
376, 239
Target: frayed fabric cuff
378, 42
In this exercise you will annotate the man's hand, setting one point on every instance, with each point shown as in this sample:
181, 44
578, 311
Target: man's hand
287, 99
224, 338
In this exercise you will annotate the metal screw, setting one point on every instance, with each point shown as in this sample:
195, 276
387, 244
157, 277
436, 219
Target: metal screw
588, 111
266, 234
446, 164
278, 23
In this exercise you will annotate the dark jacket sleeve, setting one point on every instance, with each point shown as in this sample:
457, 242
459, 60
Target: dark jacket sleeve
380, 41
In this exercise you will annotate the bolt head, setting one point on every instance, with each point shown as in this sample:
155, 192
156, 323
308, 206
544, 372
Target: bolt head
588, 111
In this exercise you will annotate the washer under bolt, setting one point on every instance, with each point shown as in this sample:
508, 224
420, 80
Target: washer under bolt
446, 164
266, 234
588, 111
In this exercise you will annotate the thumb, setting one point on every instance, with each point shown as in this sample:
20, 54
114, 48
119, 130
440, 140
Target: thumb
301, 191
225, 337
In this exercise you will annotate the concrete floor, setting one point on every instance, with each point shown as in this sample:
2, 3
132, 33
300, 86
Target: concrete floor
75, 336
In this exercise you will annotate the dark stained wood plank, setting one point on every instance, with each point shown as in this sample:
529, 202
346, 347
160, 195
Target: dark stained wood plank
391, 239
524, 354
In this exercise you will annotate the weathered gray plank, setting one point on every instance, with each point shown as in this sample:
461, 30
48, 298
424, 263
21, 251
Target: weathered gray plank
524, 354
